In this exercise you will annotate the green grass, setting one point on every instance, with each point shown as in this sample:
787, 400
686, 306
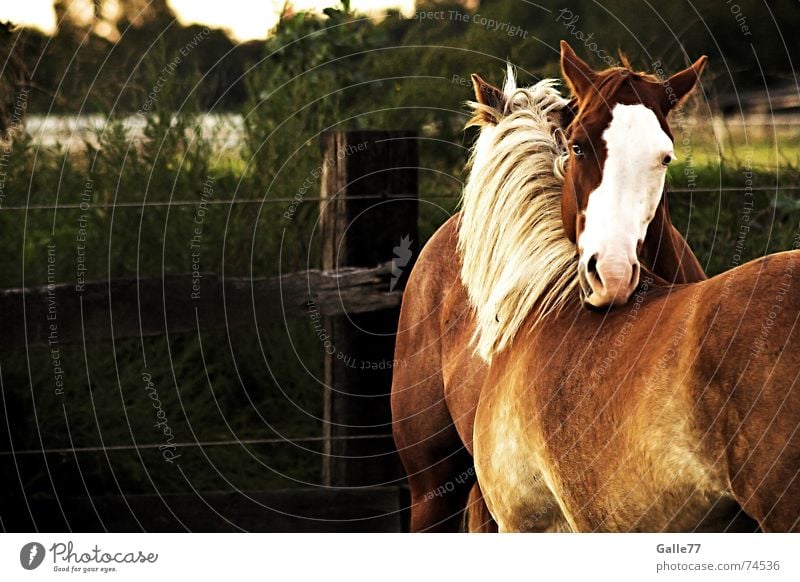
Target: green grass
726, 197
210, 387
763, 143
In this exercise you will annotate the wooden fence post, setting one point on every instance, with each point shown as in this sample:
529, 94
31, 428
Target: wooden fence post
368, 215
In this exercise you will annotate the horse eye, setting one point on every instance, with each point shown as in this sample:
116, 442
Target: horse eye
666, 160
577, 150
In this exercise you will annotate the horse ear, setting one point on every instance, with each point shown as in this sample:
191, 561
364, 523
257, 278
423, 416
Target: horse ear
492, 98
577, 73
679, 85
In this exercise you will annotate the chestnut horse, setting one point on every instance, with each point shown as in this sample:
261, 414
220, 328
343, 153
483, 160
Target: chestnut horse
437, 386
647, 416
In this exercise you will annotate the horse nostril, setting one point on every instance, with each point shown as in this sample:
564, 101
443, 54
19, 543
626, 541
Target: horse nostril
634, 274
591, 266
591, 270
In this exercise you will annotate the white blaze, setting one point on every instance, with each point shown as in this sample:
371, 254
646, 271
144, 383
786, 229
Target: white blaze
620, 209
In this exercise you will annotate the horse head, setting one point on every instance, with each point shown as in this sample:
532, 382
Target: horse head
532, 194
620, 145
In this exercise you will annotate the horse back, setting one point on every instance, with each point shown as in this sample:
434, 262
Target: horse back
747, 371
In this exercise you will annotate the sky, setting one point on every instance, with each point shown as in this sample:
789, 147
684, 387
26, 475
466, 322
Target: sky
245, 19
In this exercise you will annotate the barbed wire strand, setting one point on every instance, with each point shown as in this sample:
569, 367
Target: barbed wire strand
246, 201
265, 441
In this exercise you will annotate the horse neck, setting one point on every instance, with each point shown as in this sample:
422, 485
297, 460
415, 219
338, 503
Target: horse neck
666, 252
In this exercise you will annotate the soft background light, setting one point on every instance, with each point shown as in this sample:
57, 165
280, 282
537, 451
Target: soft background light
245, 19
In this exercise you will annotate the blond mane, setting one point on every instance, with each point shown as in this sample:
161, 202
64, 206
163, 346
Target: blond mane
515, 254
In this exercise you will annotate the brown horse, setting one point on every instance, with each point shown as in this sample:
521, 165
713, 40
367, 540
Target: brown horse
645, 417
436, 389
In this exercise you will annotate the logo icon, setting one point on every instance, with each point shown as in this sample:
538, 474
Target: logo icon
31, 555
402, 255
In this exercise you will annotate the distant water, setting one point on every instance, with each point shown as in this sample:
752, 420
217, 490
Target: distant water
74, 131
225, 130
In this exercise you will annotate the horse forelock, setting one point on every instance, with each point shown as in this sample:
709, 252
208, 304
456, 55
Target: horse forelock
515, 255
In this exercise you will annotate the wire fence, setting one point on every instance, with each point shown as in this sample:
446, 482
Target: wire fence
198, 444
258, 202
307, 199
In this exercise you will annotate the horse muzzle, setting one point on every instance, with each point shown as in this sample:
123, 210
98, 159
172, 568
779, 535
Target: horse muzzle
607, 282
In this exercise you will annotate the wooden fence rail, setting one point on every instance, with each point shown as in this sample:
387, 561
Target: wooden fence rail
126, 308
